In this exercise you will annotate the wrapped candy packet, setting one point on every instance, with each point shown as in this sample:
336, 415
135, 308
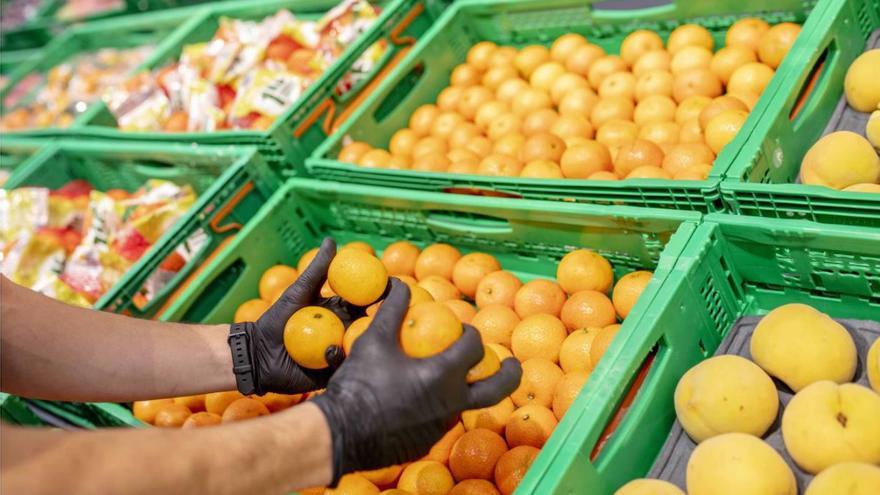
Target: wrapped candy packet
248, 74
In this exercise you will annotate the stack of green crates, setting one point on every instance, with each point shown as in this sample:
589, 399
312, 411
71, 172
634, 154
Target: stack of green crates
425, 72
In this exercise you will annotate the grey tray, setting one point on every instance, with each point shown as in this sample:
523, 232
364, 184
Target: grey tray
672, 461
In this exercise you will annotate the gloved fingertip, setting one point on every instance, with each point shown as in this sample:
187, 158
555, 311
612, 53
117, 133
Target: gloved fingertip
393, 309
397, 294
328, 243
311, 280
467, 351
388, 287
490, 391
512, 367
335, 356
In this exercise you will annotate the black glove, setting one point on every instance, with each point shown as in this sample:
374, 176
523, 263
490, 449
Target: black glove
384, 407
272, 367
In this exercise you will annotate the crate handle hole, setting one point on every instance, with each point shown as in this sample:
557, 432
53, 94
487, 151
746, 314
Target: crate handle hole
467, 223
817, 79
625, 403
618, 5
403, 88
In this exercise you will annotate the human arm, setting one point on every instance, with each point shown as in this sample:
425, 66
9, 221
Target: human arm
53, 351
380, 408
280, 453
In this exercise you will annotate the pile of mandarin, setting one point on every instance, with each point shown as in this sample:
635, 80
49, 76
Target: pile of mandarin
653, 111
558, 329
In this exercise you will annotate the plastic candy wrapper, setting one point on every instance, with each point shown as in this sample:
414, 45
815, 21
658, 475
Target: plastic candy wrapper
69, 88
75, 243
249, 74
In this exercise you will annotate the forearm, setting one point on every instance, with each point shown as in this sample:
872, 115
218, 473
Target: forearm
54, 351
275, 454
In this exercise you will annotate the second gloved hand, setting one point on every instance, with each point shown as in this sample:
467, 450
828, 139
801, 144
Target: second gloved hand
384, 407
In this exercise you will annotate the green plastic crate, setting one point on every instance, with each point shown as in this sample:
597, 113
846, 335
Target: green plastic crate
304, 125
761, 182
732, 266
232, 182
425, 72
163, 29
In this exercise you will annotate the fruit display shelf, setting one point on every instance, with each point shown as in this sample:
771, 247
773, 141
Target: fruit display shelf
732, 266
230, 183
424, 72
809, 103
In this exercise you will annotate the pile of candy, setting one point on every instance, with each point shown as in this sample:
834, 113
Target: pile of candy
69, 88
75, 242
248, 74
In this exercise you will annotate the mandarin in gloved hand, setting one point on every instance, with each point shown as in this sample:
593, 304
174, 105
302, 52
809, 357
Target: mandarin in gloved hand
404, 405
320, 353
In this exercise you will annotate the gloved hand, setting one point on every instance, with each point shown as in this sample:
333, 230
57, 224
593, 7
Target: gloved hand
384, 407
274, 370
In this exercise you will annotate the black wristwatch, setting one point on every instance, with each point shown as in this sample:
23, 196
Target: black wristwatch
242, 360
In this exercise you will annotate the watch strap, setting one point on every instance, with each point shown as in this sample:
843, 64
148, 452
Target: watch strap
243, 366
